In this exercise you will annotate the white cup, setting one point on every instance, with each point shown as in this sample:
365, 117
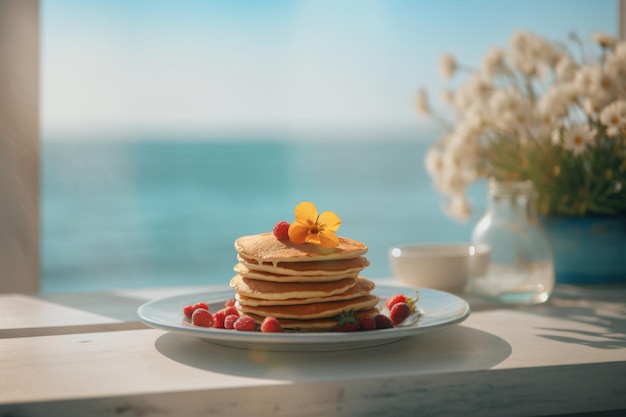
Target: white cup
444, 266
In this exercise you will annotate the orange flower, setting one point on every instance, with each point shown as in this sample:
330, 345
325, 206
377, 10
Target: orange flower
309, 227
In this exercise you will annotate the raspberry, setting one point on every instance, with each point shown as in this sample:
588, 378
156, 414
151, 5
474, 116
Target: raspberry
245, 324
230, 302
188, 310
230, 310
202, 317
271, 325
218, 319
281, 230
367, 323
229, 321
383, 322
399, 312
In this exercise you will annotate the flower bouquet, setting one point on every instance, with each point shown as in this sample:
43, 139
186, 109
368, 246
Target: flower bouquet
552, 113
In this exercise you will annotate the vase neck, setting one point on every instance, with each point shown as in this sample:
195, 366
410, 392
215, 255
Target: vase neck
511, 199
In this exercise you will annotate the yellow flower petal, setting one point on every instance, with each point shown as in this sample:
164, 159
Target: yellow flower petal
298, 232
329, 220
306, 213
328, 239
313, 239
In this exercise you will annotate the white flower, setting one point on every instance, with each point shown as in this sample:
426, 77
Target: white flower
604, 39
455, 169
555, 102
473, 122
421, 102
520, 50
434, 162
597, 84
447, 66
620, 50
475, 90
555, 137
613, 117
531, 53
458, 207
463, 150
566, 68
511, 110
577, 138
494, 62
451, 180
448, 97
586, 77
615, 60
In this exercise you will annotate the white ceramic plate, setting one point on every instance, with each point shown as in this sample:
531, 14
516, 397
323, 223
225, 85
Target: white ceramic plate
439, 309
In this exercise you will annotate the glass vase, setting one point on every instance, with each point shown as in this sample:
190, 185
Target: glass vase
520, 269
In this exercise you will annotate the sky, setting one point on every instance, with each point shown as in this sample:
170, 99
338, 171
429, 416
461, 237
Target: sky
206, 68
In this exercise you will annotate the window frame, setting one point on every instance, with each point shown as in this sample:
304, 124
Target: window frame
20, 143
19, 146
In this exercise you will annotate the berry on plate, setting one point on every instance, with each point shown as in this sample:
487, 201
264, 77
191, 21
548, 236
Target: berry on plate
271, 325
347, 322
281, 230
367, 323
399, 312
383, 322
218, 319
401, 298
229, 321
189, 309
245, 324
230, 310
202, 317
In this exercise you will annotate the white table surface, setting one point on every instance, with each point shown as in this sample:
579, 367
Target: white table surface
88, 355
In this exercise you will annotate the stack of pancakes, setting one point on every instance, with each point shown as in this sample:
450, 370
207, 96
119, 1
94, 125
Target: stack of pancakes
305, 287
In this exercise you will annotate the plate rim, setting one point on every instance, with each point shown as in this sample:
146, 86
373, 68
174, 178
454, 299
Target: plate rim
249, 339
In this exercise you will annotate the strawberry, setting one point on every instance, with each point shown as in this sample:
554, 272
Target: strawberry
347, 322
383, 322
399, 312
202, 317
401, 298
229, 321
245, 324
271, 325
398, 298
230, 302
367, 323
218, 319
281, 230
188, 310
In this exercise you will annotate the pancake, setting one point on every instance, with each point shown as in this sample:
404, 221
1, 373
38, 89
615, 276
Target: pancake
311, 311
265, 247
246, 272
269, 290
363, 287
323, 324
333, 267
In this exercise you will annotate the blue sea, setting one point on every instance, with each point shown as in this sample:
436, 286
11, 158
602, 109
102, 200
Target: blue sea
137, 213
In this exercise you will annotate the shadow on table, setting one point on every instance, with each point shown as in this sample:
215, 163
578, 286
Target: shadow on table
455, 349
592, 315
598, 326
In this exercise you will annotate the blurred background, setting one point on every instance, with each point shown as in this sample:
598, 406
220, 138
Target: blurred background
168, 129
